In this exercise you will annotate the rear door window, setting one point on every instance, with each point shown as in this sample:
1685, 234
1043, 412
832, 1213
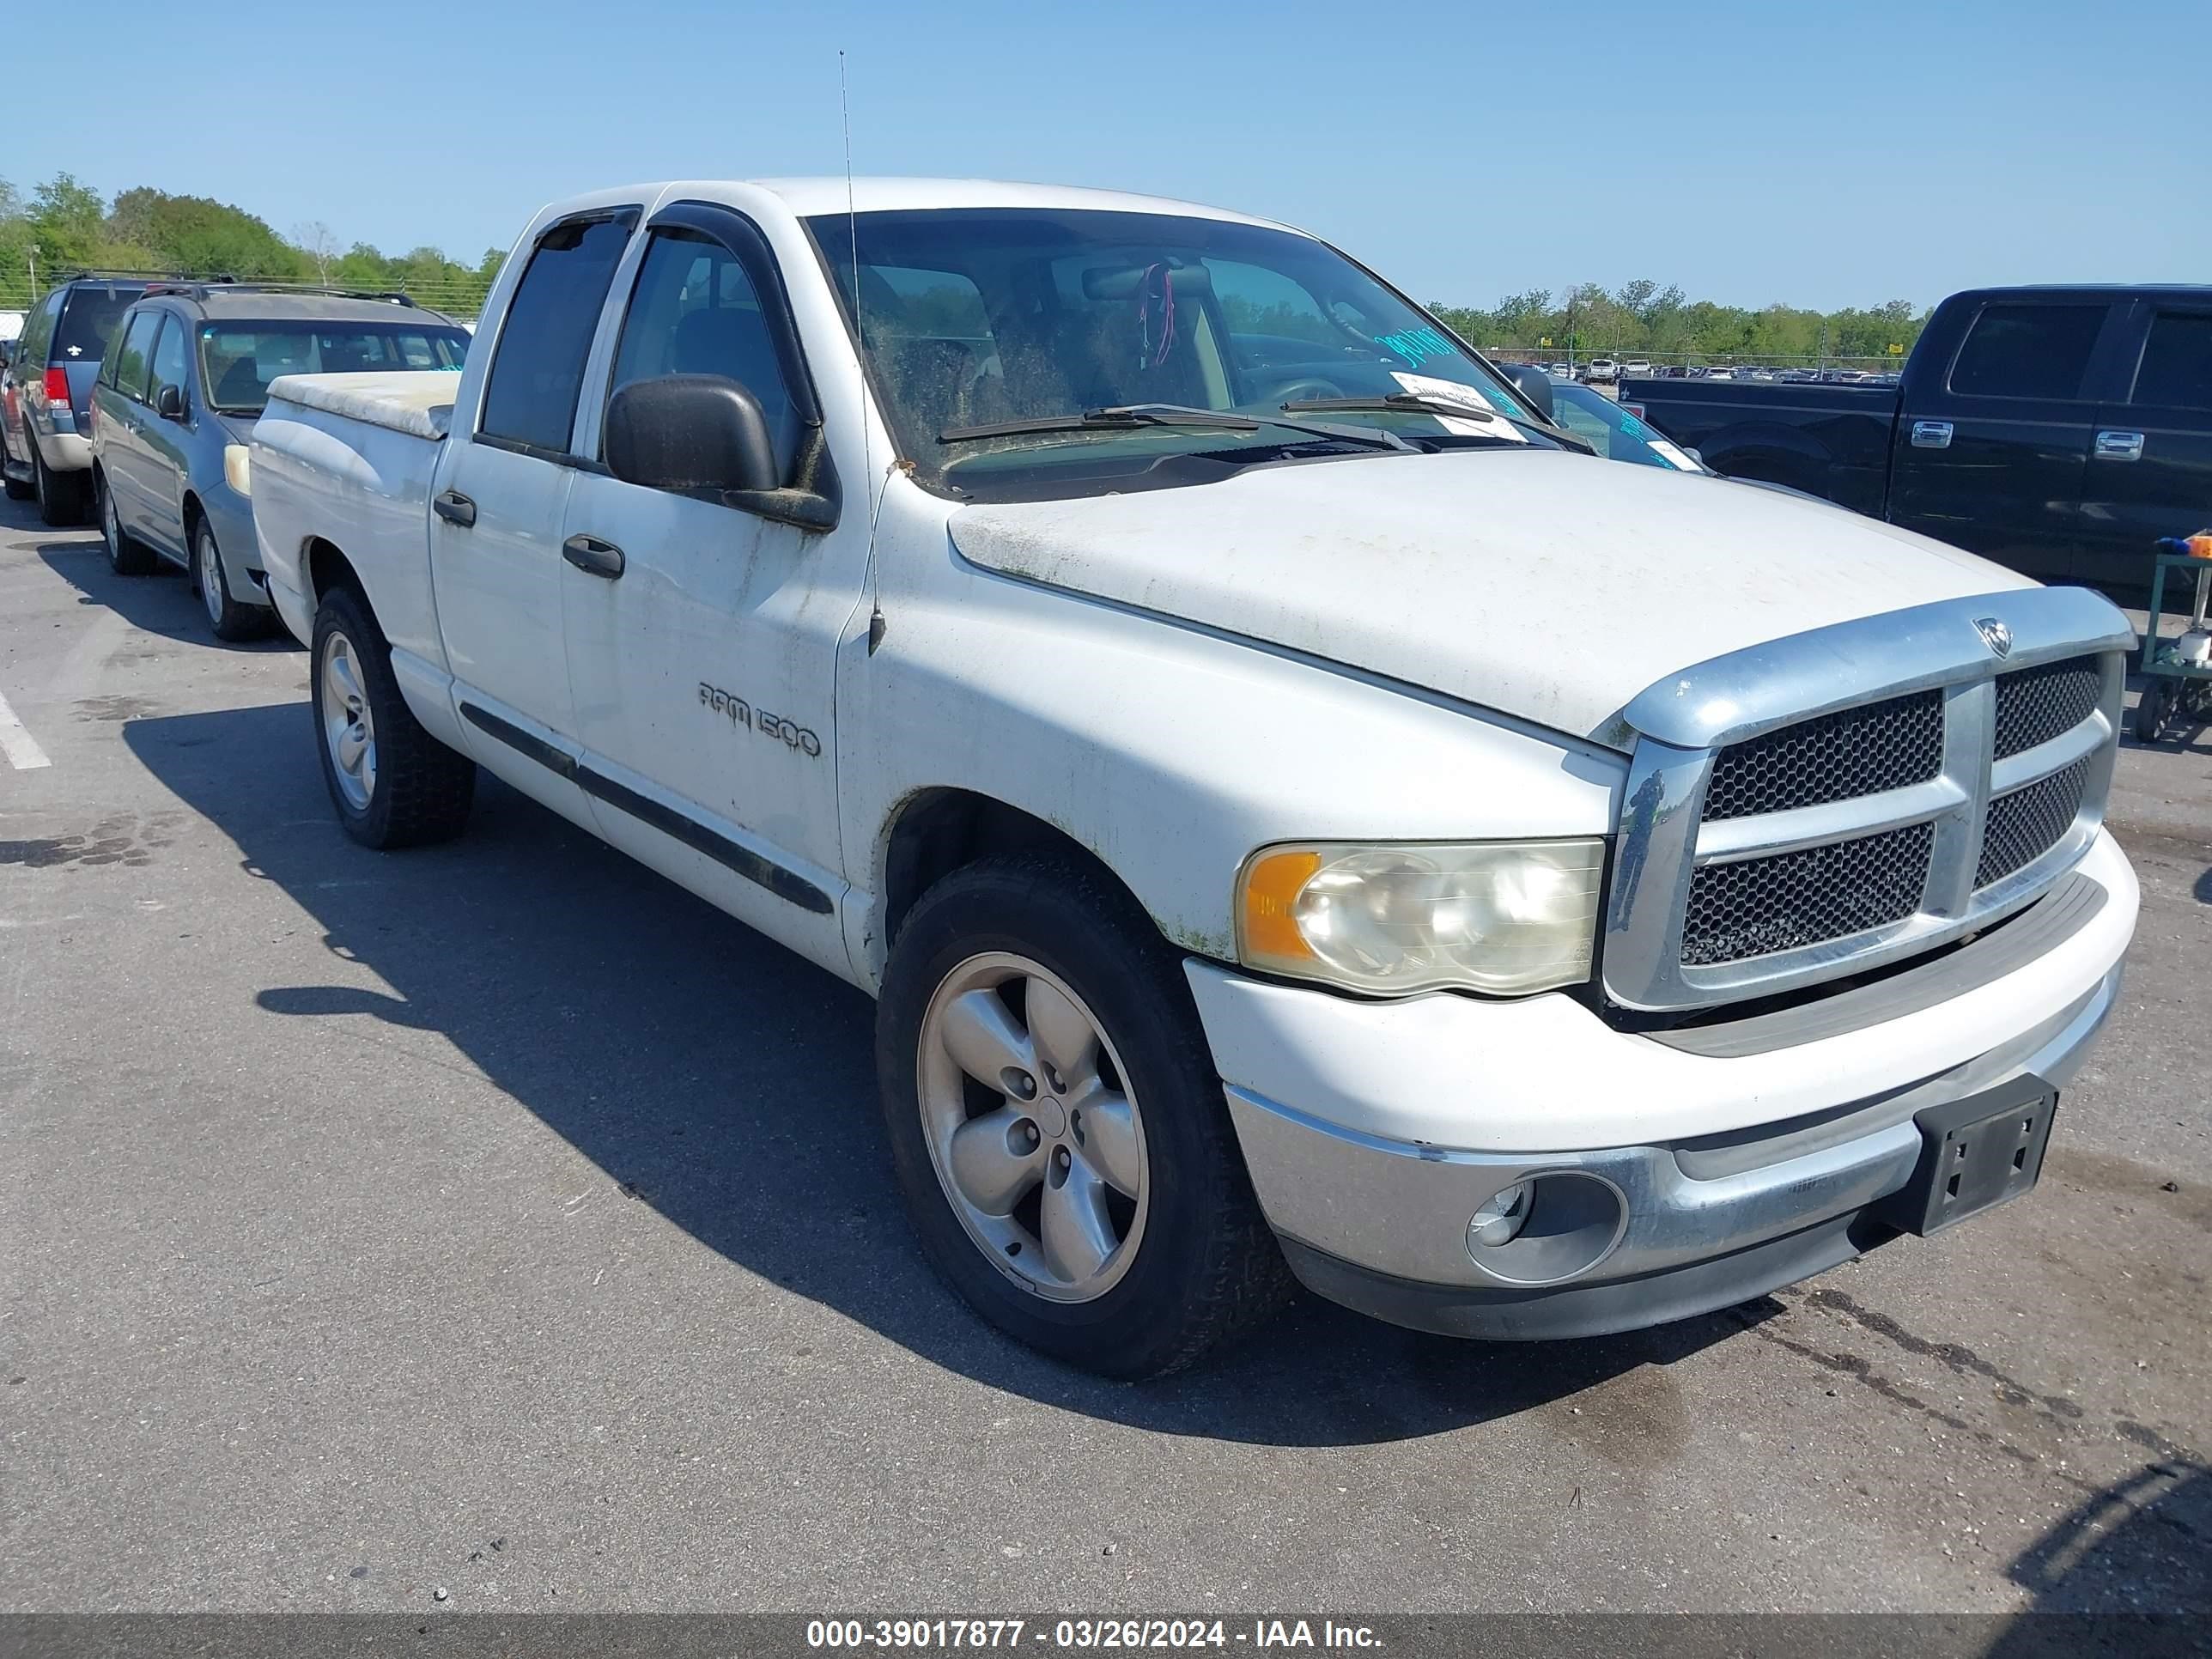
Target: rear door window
2027, 351
538, 371
89, 318
2176, 371
137, 355
39, 333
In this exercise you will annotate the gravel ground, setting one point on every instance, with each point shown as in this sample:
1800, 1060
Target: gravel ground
498, 1218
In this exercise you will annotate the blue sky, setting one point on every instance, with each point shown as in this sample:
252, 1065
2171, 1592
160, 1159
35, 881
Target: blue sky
1819, 154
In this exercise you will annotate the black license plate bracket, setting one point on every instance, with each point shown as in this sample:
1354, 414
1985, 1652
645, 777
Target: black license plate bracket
1975, 1154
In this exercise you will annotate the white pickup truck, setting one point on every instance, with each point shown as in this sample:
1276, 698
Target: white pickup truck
1291, 805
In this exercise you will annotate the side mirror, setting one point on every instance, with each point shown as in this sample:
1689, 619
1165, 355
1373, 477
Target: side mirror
1533, 384
169, 403
687, 432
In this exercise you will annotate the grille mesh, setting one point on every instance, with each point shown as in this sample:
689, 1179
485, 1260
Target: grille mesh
1757, 907
2026, 824
1853, 751
2037, 704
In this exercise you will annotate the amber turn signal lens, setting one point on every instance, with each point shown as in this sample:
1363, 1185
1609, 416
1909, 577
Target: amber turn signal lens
1272, 886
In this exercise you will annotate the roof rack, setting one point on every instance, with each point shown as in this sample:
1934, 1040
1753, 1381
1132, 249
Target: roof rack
199, 288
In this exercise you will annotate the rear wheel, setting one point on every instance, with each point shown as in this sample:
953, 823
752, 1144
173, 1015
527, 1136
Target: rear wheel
18, 490
1057, 1127
392, 783
126, 555
61, 495
230, 619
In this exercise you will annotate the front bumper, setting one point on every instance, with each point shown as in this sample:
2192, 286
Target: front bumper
1715, 1202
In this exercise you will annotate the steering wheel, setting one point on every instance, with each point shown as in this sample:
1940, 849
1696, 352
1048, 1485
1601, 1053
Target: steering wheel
1307, 386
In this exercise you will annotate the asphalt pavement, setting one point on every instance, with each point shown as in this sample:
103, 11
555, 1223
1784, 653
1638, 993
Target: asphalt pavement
498, 1220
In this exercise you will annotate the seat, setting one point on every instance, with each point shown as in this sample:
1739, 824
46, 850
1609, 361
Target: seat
241, 386
733, 342
931, 377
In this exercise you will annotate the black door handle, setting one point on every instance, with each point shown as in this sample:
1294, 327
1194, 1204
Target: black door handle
594, 557
455, 507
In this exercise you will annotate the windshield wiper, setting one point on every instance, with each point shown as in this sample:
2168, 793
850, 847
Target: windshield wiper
1126, 417
1413, 402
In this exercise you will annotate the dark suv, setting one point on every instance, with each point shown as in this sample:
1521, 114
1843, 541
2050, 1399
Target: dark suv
45, 393
174, 404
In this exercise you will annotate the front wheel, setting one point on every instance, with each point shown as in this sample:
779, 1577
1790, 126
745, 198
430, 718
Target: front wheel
392, 783
1057, 1127
230, 620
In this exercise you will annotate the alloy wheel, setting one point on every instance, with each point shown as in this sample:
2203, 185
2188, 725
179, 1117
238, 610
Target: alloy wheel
1036, 1139
349, 729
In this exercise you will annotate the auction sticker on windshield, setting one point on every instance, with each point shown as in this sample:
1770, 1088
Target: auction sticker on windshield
1481, 420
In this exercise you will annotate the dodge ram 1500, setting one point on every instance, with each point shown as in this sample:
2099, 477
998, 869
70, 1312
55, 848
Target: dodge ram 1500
1135, 643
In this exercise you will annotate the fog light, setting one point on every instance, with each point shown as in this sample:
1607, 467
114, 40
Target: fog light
1500, 1220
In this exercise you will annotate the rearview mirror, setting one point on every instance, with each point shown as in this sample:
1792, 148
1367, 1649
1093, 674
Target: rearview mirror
169, 403
1533, 384
688, 432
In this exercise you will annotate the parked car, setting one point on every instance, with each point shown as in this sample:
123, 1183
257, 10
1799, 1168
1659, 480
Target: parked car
1210, 763
1602, 368
175, 403
2060, 431
45, 393
1616, 430
1636, 369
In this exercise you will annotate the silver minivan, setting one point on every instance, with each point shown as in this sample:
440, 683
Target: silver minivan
175, 402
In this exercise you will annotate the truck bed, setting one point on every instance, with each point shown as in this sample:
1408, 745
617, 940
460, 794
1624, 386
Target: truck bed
1831, 440
417, 401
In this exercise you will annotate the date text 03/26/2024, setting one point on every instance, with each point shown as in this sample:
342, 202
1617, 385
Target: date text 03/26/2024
1086, 1633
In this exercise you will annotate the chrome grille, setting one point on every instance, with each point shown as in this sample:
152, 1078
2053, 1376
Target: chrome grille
1855, 751
2035, 705
2026, 824
1817, 806
1757, 907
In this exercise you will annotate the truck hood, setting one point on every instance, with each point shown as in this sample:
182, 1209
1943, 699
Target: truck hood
1538, 583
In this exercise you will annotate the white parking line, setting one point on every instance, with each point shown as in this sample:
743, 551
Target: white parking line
16, 741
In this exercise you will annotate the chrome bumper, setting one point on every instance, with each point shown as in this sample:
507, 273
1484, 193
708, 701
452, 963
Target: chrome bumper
1381, 1225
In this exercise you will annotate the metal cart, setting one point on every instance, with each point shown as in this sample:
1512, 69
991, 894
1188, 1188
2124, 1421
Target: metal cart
2177, 673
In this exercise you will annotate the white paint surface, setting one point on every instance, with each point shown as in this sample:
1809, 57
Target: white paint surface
16, 741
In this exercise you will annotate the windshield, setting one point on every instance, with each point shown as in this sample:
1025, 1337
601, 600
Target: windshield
239, 360
88, 317
1614, 432
978, 316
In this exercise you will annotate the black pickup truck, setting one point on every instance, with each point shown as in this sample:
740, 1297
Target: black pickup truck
2060, 431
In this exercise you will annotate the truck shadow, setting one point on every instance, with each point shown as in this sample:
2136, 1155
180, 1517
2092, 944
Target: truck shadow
715, 1076
163, 602
2139, 1546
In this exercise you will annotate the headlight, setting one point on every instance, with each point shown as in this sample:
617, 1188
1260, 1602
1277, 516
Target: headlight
1505, 916
234, 469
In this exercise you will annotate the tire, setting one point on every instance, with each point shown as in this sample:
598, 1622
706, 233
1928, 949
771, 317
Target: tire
61, 495
411, 790
2150, 712
18, 490
126, 555
1195, 1262
230, 620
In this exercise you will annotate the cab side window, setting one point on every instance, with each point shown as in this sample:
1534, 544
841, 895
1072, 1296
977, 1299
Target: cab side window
2027, 351
2176, 371
695, 311
171, 364
537, 370
137, 352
